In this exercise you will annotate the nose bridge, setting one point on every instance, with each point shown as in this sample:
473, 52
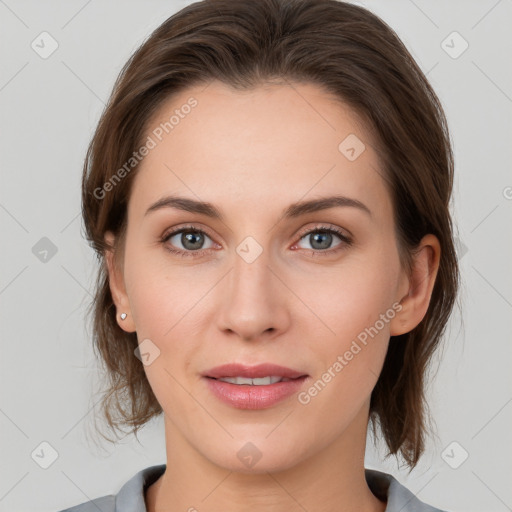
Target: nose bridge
252, 304
251, 277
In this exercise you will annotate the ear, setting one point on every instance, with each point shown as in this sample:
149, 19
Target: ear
117, 287
420, 285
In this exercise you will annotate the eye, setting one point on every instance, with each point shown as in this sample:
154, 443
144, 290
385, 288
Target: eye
191, 240
321, 238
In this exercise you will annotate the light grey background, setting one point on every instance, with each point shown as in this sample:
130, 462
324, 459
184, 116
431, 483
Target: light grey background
49, 109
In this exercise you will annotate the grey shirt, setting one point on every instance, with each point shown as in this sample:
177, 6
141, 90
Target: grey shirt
131, 496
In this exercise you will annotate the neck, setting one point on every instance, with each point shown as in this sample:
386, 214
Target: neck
332, 480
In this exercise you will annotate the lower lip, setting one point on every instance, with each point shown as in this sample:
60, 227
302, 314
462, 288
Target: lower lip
253, 397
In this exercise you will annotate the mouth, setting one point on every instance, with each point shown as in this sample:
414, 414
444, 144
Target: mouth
253, 387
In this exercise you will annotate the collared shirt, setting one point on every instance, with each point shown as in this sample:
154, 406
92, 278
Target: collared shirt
131, 496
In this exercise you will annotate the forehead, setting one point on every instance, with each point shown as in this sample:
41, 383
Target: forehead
285, 141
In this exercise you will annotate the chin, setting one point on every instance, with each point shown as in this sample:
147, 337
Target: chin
256, 454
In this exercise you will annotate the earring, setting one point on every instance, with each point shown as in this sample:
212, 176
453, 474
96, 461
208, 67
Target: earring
123, 316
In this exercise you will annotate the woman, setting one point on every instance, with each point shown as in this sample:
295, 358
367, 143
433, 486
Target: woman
268, 193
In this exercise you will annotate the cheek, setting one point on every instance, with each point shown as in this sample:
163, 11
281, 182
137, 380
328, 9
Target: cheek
355, 296
357, 306
165, 305
158, 297
163, 310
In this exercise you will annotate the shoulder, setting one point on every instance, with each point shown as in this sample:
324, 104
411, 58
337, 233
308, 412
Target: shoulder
399, 498
129, 498
103, 504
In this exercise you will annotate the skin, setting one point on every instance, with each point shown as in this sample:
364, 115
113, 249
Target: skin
251, 154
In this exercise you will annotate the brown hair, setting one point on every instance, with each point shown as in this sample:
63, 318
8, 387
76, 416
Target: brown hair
352, 54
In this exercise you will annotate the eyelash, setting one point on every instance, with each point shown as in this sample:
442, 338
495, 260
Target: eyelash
346, 241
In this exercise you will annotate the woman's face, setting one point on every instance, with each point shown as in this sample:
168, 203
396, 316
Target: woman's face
263, 283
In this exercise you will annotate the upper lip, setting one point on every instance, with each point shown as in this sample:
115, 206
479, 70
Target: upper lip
252, 372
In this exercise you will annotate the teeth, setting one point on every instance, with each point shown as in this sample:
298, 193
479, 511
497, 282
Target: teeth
262, 381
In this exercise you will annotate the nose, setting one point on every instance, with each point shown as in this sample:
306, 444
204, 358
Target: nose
254, 303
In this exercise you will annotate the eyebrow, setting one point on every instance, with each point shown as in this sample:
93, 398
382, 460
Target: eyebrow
292, 211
